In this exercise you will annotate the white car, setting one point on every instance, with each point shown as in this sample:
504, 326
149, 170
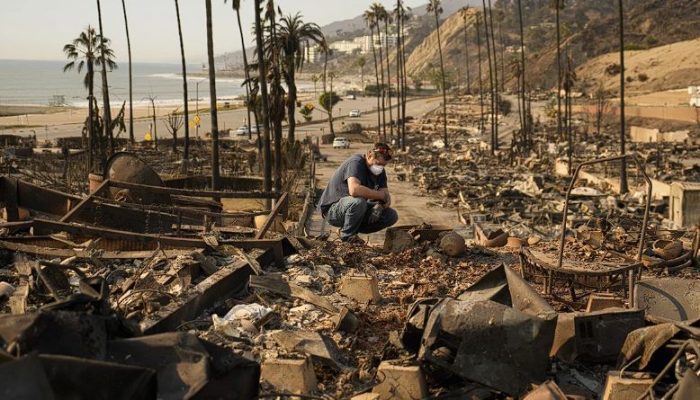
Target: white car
355, 113
242, 131
341, 143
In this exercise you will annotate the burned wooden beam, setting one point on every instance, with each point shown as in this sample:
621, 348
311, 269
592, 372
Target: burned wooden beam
43, 226
85, 202
52, 202
195, 193
271, 217
217, 287
57, 252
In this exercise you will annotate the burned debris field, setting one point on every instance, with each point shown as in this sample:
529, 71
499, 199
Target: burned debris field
453, 200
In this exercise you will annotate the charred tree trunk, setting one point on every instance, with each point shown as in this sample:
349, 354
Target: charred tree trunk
623, 167
215, 178
444, 83
131, 98
106, 111
388, 78
267, 155
495, 95
376, 76
186, 153
481, 83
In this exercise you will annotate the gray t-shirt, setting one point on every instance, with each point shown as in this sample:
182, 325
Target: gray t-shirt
355, 166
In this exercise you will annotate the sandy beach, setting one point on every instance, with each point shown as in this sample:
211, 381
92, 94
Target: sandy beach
31, 116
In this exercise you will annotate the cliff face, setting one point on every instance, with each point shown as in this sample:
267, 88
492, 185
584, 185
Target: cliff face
426, 55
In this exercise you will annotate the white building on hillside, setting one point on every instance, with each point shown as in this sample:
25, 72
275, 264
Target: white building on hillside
363, 44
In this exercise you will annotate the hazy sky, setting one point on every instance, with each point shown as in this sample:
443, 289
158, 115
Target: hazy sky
38, 29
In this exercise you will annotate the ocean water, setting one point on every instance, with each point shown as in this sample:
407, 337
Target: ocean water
29, 82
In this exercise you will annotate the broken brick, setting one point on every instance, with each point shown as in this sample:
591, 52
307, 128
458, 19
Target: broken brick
361, 288
289, 375
400, 382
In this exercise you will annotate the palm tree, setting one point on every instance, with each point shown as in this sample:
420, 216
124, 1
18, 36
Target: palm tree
623, 171
212, 101
404, 74
106, 110
186, 154
500, 15
379, 13
315, 79
292, 32
399, 76
435, 7
386, 17
495, 99
558, 5
277, 94
526, 117
568, 82
361, 62
492, 67
465, 14
481, 84
236, 4
262, 82
328, 100
82, 53
131, 101
371, 21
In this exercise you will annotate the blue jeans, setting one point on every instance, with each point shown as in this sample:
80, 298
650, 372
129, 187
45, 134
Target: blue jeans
351, 214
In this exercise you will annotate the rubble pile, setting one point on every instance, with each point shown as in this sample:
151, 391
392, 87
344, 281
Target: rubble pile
427, 315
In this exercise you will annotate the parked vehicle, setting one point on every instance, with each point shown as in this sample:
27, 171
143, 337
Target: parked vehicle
341, 143
355, 113
350, 97
243, 130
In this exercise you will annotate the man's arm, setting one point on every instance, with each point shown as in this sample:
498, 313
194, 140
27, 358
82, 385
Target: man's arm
356, 189
387, 200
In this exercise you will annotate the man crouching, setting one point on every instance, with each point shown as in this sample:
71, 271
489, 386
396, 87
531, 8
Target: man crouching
357, 198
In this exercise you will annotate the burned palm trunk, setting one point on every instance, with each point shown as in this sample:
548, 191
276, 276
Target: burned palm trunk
491, 80
215, 173
481, 83
262, 79
495, 96
106, 111
388, 77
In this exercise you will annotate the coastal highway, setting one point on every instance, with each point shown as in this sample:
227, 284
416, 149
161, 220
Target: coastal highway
228, 119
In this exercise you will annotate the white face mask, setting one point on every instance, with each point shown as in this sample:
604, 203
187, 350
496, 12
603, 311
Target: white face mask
376, 169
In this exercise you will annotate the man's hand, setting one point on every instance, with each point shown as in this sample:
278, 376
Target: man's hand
376, 213
387, 196
356, 189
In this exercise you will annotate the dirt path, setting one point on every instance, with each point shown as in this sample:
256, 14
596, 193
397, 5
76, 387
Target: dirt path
413, 207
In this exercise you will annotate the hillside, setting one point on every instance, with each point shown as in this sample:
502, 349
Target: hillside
355, 27
426, 55
339, 28
588, 29
665, 67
